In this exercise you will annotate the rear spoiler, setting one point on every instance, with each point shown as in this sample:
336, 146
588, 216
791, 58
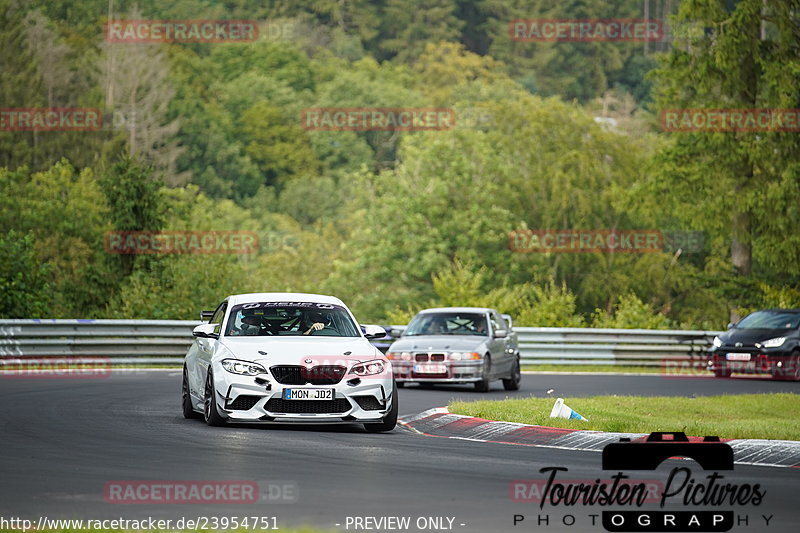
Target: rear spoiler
205, 316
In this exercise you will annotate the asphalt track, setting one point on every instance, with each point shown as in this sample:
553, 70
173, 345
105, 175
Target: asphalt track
63, 440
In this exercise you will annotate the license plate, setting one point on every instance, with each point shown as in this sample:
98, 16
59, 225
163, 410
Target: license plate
430, 369
737, 357
308, 394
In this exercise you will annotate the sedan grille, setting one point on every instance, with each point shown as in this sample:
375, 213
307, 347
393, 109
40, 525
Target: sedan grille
301, 375
425, 357
279, 405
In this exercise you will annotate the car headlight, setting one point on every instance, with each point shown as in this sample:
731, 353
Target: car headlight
368, 368
774, 343
717, 342
398, 356
464, 356
246, 368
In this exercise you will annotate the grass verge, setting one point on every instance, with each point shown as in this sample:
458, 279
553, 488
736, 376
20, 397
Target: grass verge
594, 368
742, 416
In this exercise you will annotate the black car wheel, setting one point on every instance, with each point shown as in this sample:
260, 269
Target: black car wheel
722, 372
210, 413
186, 398
485, 382
390, 420
514, 379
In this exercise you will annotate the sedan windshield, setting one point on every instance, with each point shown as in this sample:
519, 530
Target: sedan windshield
271, 319
447, 324
769, 320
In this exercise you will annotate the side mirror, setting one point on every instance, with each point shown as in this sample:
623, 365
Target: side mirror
508, 320
372, 331
730, 325
395, 332
205, 316
500, 334
206, 331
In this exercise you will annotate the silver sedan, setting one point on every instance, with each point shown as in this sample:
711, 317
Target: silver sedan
457, 345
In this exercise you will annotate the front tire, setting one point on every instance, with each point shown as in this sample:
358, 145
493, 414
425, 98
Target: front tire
514, 379
722, 372
186, 398
485, 382
390, 421
210, 413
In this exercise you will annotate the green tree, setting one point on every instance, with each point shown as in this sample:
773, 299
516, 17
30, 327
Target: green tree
743, 57
24, 284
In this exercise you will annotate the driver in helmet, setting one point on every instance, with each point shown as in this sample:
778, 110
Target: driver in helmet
315, 321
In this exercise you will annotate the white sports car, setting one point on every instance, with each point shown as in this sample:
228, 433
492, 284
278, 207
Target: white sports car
288, 358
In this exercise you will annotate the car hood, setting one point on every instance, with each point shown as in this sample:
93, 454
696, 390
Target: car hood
455, 343
295, 350
748, 337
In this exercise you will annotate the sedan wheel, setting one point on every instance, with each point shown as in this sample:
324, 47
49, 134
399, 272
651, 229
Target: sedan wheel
514, 379
485, 382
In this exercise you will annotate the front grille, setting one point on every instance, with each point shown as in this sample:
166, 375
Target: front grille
243, 402
279, 405
425, 357
368, 403
301, 375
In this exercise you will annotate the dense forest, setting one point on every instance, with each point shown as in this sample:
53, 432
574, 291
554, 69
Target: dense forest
207, 136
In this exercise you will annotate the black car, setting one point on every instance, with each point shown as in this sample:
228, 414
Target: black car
763, 342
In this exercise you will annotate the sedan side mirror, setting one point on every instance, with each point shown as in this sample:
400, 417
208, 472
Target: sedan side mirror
500, 333
730, 325
206, 331
372, 331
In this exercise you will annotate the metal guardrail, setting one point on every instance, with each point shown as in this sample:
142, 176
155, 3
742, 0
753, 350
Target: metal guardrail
642, 347
166, 341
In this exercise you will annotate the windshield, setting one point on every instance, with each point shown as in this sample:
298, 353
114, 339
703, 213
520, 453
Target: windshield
448, 324
282, 319
769, 320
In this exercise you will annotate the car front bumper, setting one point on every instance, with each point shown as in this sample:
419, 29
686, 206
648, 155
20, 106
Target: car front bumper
242, 399
468, 371
767, 361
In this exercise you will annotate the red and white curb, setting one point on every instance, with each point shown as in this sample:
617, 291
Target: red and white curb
439, 422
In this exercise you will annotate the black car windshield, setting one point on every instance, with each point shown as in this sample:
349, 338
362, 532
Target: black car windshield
285, 319
447, 324
770, 320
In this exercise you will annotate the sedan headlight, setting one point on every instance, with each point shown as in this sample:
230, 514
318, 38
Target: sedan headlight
717, 342
368, 368
774, 343
464, 356
245, 368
